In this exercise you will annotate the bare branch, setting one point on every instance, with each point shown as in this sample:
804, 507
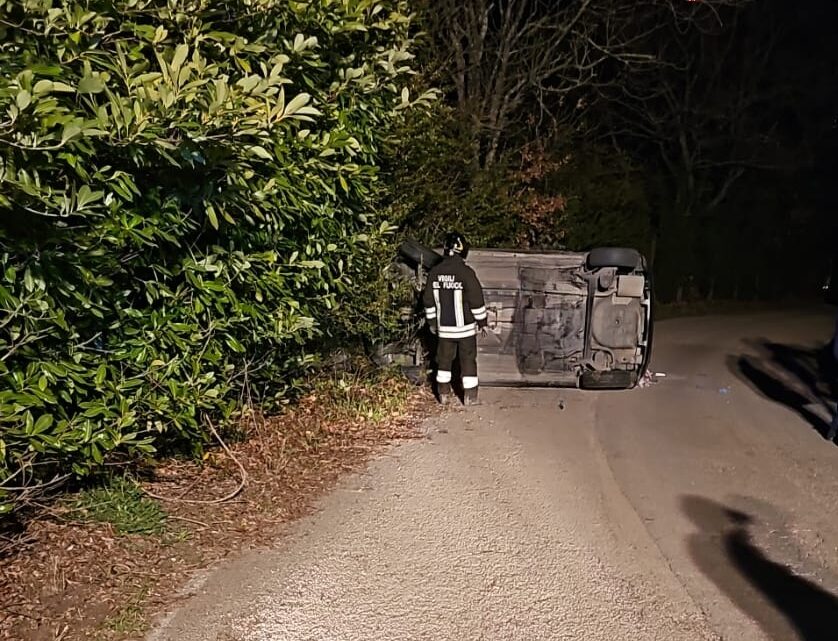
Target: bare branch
516, 59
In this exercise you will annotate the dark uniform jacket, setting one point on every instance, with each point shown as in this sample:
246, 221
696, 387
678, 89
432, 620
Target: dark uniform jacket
453, 299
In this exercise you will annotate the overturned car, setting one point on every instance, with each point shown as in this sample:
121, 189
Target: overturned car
556, 318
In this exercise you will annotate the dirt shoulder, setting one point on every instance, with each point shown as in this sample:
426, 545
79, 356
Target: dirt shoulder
69, 577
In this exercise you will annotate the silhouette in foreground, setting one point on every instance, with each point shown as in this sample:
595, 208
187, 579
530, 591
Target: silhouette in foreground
785, 605
800, 378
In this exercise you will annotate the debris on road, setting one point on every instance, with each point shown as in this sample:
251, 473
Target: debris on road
647, 380
650, 378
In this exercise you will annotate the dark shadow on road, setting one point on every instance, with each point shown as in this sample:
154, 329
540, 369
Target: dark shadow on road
786, 606
801, 378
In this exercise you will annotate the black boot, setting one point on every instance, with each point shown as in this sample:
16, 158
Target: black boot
444, 391
470, 397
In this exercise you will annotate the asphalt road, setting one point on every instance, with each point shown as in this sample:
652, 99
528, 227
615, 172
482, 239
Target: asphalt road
702, 507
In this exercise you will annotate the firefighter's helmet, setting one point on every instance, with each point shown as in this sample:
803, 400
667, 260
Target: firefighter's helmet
456, 243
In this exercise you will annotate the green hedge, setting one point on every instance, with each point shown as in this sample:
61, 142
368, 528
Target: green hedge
188, 200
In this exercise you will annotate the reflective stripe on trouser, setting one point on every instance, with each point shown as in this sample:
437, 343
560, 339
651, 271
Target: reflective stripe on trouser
469, 382
462, 349
443, 376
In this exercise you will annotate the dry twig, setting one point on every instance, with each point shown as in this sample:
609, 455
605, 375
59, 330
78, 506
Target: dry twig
223, 499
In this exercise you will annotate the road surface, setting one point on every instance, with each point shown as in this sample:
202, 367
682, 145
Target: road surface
702, 507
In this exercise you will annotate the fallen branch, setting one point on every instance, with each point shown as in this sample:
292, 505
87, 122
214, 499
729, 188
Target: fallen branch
188, 520
223, 499
58, 480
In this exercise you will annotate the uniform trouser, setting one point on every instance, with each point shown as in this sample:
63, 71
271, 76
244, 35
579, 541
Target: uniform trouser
463, 348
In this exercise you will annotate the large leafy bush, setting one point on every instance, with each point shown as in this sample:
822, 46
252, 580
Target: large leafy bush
187, 211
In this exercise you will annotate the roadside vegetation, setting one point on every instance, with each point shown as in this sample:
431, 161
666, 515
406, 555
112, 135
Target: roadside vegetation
98, 562
191, 214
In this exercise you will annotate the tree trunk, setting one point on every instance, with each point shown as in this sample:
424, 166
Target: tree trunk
653, 249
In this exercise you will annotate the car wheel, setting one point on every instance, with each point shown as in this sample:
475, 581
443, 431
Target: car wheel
418, 254
620, 257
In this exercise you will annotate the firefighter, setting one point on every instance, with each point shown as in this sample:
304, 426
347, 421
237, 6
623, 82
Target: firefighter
455, 310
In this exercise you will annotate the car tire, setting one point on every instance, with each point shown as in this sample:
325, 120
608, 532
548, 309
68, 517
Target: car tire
619, 257
418, 254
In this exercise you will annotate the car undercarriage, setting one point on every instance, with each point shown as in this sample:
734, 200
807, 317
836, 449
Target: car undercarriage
555, 318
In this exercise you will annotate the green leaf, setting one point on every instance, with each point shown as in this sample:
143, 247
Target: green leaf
43, 86
160, 34
213, 219
71, 130
86, 196
280, 102
101, 373
248, 83
180, 56
95, 453
91, 85
296, 103
307, 111
261, 152
235, 345
43, 423
62, 87
23, 99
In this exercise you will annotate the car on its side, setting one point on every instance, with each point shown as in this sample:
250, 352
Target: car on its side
556, 318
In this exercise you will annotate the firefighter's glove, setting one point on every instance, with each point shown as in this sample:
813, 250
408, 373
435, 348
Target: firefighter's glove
432, 326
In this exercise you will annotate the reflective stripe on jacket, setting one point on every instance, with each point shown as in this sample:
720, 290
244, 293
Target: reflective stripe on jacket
453, 299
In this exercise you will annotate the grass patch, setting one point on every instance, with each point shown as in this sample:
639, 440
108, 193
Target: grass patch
174, 537
366, 394
130, 619
122, 504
